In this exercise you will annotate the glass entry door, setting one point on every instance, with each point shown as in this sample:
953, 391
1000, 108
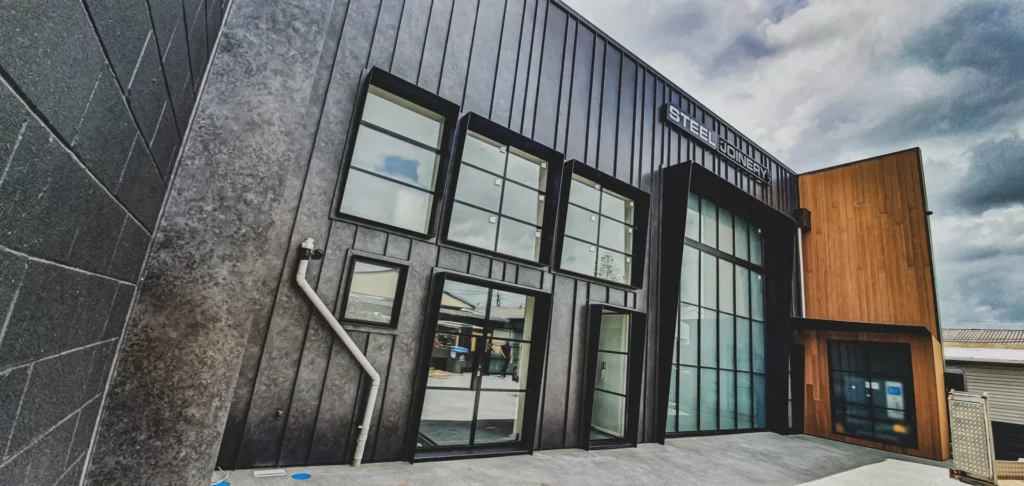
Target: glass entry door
613, 375
479, 366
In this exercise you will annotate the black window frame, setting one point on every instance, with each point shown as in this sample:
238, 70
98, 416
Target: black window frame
401, 88
695, 243
641, 215
476, 123
346, 291
637, 350
534, 386
910, 403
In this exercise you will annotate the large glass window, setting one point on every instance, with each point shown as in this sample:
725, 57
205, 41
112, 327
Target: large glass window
395, 162
477, 383
599, 230
872, 391
717, 376
499, 199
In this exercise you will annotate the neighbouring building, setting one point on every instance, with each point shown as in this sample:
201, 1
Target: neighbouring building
535, 238
991, 361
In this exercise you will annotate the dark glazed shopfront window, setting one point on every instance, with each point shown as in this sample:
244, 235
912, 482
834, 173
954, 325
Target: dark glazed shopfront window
397, 156
718, 367
374, 292
872, 387
603, 231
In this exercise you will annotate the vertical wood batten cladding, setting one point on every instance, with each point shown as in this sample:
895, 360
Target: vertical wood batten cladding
530, 65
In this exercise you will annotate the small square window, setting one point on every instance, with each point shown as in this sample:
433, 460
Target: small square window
499, 202
606, 216
374, 292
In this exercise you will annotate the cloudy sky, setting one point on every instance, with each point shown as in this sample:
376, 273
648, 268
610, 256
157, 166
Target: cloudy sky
819, 83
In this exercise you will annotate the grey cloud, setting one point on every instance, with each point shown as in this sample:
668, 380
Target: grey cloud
984, 42
983, 294
995, 177
746, 48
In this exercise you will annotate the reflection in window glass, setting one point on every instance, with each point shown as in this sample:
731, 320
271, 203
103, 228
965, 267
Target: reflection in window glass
742, 240
481, 189
688, 397
527, 170
725, 230
726, 400
581, 224
616, 206
381, 200
519, 240
689, 285
708, 281
601, 221
479, 363
585, 194
371, 293
872, 400
693, 217
403, 117
523, 204
755, 245
613, 266
578, 256
708, 223
472, 226
507, 188
393, 169
708, 399
689, 320
723, 298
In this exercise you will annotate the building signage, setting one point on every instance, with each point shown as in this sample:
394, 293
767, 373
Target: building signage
681, 121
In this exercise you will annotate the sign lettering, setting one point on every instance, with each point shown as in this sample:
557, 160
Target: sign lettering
682, 122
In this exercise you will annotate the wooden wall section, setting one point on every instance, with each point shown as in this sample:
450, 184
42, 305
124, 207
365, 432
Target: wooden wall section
929, 390
867, 257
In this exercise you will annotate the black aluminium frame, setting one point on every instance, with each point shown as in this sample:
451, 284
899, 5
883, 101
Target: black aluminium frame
641, 220
909, 409
542, 315
778, 243
479, 124
396, 303
737, 262
634, 380
397, 86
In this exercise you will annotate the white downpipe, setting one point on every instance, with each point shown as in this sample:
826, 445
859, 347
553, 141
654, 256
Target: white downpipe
364, 429
800, 268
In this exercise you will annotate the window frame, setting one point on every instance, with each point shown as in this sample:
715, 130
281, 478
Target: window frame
537, 370
696, 243
396, 86
476, 123
910, 402
346, 291
641, 214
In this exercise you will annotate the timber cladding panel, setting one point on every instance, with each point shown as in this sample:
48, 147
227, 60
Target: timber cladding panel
867, 256
929, 390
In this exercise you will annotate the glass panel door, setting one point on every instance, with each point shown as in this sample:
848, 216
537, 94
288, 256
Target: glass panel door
476, 387
612, 372
613, 376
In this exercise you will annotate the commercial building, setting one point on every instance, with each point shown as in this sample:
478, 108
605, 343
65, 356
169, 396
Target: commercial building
991, 361
536, 239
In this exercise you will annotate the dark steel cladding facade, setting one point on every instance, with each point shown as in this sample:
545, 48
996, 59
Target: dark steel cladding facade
537, 68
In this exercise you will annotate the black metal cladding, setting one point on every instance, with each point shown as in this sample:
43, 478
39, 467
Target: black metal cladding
530, 65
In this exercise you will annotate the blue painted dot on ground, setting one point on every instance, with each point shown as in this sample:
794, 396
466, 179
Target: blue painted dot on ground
301, 476
223, 483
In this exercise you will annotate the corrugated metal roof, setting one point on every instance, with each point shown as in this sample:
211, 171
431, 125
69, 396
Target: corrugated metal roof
993, 336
